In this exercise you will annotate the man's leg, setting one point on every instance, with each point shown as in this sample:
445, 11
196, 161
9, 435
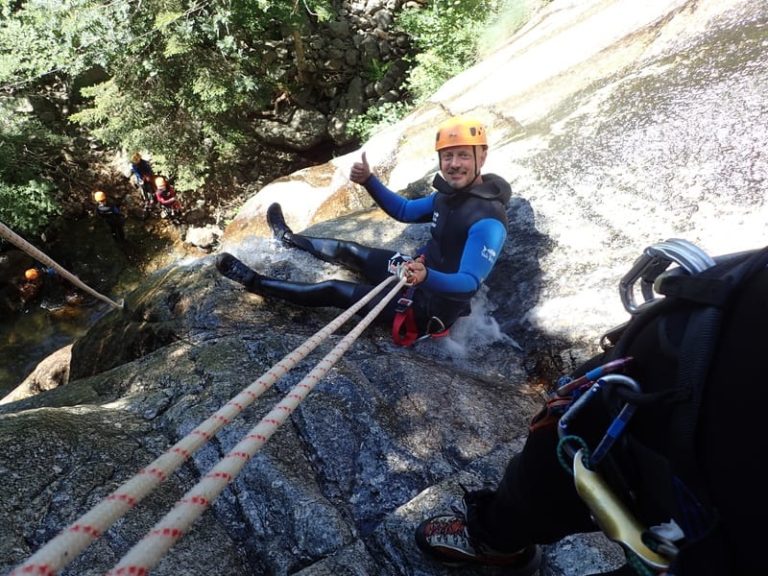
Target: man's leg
371, 262
334, 293
535, 502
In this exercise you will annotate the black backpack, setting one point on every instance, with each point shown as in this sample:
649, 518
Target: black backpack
692, 450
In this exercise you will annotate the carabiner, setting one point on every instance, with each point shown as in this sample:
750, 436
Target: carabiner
652, 263
617, 426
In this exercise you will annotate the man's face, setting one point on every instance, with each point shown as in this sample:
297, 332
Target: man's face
458, 167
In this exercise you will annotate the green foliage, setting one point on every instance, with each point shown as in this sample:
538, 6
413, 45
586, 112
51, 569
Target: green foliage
375, 70
185, 77
40, 37
445, 35
26, 199
449, 36
26, 208
503, 22
374, 119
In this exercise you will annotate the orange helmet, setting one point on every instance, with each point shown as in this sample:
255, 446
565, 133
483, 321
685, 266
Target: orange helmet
460, 131
32, 274
160, 182
99, 196
136, 158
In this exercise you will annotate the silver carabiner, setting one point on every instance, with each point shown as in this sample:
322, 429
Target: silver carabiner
652, 263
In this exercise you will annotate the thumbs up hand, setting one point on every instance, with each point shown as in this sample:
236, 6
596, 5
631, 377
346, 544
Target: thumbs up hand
360, 171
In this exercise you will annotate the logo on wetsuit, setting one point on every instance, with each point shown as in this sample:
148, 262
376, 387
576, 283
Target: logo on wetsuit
489, 254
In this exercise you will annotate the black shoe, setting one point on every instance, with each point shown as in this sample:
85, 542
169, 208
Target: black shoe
233, 269
276, 221
446, 539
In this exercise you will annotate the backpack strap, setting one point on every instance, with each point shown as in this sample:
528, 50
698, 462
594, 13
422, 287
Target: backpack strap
700, 342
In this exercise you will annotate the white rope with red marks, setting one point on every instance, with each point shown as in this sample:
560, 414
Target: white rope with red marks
150, 549
65, 547
14, 238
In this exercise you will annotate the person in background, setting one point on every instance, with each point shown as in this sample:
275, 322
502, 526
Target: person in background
31, 287
142, 177
110, 214
165, 195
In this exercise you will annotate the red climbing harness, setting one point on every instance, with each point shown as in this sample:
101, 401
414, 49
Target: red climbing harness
405, 331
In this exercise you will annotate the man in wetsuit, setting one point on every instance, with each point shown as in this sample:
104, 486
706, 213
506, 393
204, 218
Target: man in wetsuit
468, 225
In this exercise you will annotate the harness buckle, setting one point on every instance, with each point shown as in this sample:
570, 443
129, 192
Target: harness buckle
403, 303
440, 332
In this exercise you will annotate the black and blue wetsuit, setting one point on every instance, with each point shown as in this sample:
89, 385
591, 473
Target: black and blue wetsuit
468, 230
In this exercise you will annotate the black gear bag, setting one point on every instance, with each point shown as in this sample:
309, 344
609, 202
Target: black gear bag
691, 454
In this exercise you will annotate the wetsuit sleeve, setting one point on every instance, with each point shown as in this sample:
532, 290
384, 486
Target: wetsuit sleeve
396, 206
484, 243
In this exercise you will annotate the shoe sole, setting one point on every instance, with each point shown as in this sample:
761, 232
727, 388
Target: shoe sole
444, 559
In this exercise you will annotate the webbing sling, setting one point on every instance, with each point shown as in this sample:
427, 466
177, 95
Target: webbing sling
405, 331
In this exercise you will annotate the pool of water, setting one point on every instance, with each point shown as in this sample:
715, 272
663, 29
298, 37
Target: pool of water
29, 337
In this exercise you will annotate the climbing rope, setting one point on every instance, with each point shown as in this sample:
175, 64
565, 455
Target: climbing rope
65, 547
149, 551
22, 244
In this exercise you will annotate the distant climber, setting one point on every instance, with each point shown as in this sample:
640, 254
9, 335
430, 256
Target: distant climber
165, 194
31, 287
142, 177
111, 215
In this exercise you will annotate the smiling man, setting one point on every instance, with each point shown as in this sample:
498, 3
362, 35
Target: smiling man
468, 220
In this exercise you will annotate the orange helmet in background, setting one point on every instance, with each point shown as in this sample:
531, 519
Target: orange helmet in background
136, 158
99, 196
32, 274
460, 131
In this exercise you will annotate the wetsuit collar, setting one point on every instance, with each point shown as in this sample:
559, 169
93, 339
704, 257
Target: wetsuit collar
492, 187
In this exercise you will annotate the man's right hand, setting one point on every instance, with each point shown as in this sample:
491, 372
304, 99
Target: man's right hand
360, 171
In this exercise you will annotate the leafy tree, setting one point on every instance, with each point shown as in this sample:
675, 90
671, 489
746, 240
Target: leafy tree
26, 199
446, 35
185, 77
190, 80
